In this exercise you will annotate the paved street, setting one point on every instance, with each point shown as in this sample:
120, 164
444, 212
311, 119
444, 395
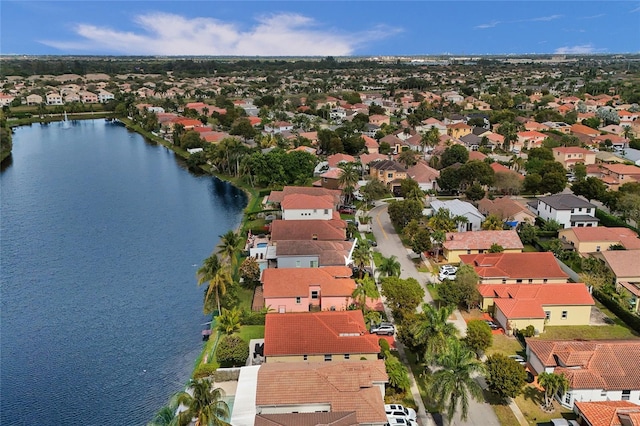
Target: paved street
480, 414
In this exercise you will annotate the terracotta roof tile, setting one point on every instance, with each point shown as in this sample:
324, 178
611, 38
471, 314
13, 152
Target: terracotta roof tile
307, 419
606, 413
536, 266
318, 333
304, 201
323, 230
344, 386
482, 240
294, 282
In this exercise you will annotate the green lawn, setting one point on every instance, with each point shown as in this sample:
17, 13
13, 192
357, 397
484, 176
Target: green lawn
248, 332
245, 297
529, 403
505, 345
406, 399
587, 332
529, 248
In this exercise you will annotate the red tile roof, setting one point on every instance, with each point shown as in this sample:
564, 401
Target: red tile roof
278, 196
295, 282
536, 266
604, 364
422, 173
504, 207
626, 236
335, 159
499, 168
323, 230
307, 419
482, 240
344, 386
304, 201
606, 413
318, 333
528, 300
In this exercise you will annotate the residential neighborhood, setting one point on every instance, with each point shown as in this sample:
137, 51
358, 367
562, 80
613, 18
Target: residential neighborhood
408, 226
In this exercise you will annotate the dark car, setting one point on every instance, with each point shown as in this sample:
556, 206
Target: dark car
492, 324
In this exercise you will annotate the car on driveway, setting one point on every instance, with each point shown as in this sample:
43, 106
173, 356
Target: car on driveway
447, 272
400, 421
564, 422
520, 360
347, 210
397, 410
384, 328
492, 324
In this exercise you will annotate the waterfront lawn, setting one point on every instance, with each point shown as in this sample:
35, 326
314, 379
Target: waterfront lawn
587, 332
528, 248
248, 332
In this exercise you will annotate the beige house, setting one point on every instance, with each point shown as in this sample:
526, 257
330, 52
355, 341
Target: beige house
34, 99
591, 240
478, 242
507, 209
625, 267
388, 172
569, 156
515, 307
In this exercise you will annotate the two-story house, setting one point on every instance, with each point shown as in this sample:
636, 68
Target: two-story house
596, 370
308, 207
54, 98
569, 156
425, 176
567, 209
306, 289
529, 139
388, 172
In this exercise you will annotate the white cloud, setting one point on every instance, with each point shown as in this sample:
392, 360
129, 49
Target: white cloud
637, 9
578, 50
493, 24
282, 34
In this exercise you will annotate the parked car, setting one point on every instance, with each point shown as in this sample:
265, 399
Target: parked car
383, 328
492, 324
519, 359
447, 272
564, 422
397, 410
373, 243
400, 421
346, 210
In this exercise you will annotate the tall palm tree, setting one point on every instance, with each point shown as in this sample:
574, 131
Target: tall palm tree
208, 271
228, 247
552, 384
205, 403
348, 179
434, 331
389, 267
365, 289
218, 277
167, 416
362, 256
453, 383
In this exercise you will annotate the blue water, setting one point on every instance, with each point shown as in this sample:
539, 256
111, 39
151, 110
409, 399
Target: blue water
101, 236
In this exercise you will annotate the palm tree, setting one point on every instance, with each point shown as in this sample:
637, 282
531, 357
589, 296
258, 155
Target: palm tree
167, 416
228, 247
492, 222
362, 256
438, 237
228, 322
552, 384
208, 271
389, 267
434, 331
408, 158
453, 383
348, 179
218, 278
205, 403
365, 289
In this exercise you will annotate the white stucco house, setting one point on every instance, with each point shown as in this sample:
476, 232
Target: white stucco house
567, 209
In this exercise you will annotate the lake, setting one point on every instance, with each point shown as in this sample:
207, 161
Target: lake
101, 235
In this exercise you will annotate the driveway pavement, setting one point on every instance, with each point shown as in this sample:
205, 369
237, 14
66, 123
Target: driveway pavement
389, 244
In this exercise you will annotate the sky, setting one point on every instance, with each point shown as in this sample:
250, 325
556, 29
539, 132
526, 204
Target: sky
318, 28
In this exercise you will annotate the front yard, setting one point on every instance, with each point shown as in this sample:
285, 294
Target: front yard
529, 403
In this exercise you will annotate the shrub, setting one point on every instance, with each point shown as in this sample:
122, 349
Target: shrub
384, 347
529, 331
629, 318
252, 318
232, 351
479, 336
204, 370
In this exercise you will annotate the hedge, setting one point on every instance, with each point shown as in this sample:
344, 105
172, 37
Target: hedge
629, 318
607, 219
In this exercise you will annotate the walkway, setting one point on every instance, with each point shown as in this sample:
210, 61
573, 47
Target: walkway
389, 244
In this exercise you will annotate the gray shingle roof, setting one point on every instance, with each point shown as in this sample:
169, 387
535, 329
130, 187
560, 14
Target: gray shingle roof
566, 202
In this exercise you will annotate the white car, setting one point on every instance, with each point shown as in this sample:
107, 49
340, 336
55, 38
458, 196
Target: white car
400, 421
397, 410
520, 360
564, 422
447, 272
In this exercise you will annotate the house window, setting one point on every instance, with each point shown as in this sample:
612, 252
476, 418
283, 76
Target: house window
314, 294
346, 356
469, 226
390, 175
567, 398
504, 281
468, 251
603, 393
565, 314
297, 264
626, 395
315, 210
573, 224
519, 281
298, 300
327, 357
573, 210
547, 315
313, 264
545, 281
326, 211
597, 248
530, 280
305, 357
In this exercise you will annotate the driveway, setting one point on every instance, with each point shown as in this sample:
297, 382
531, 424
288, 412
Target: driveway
389, 244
